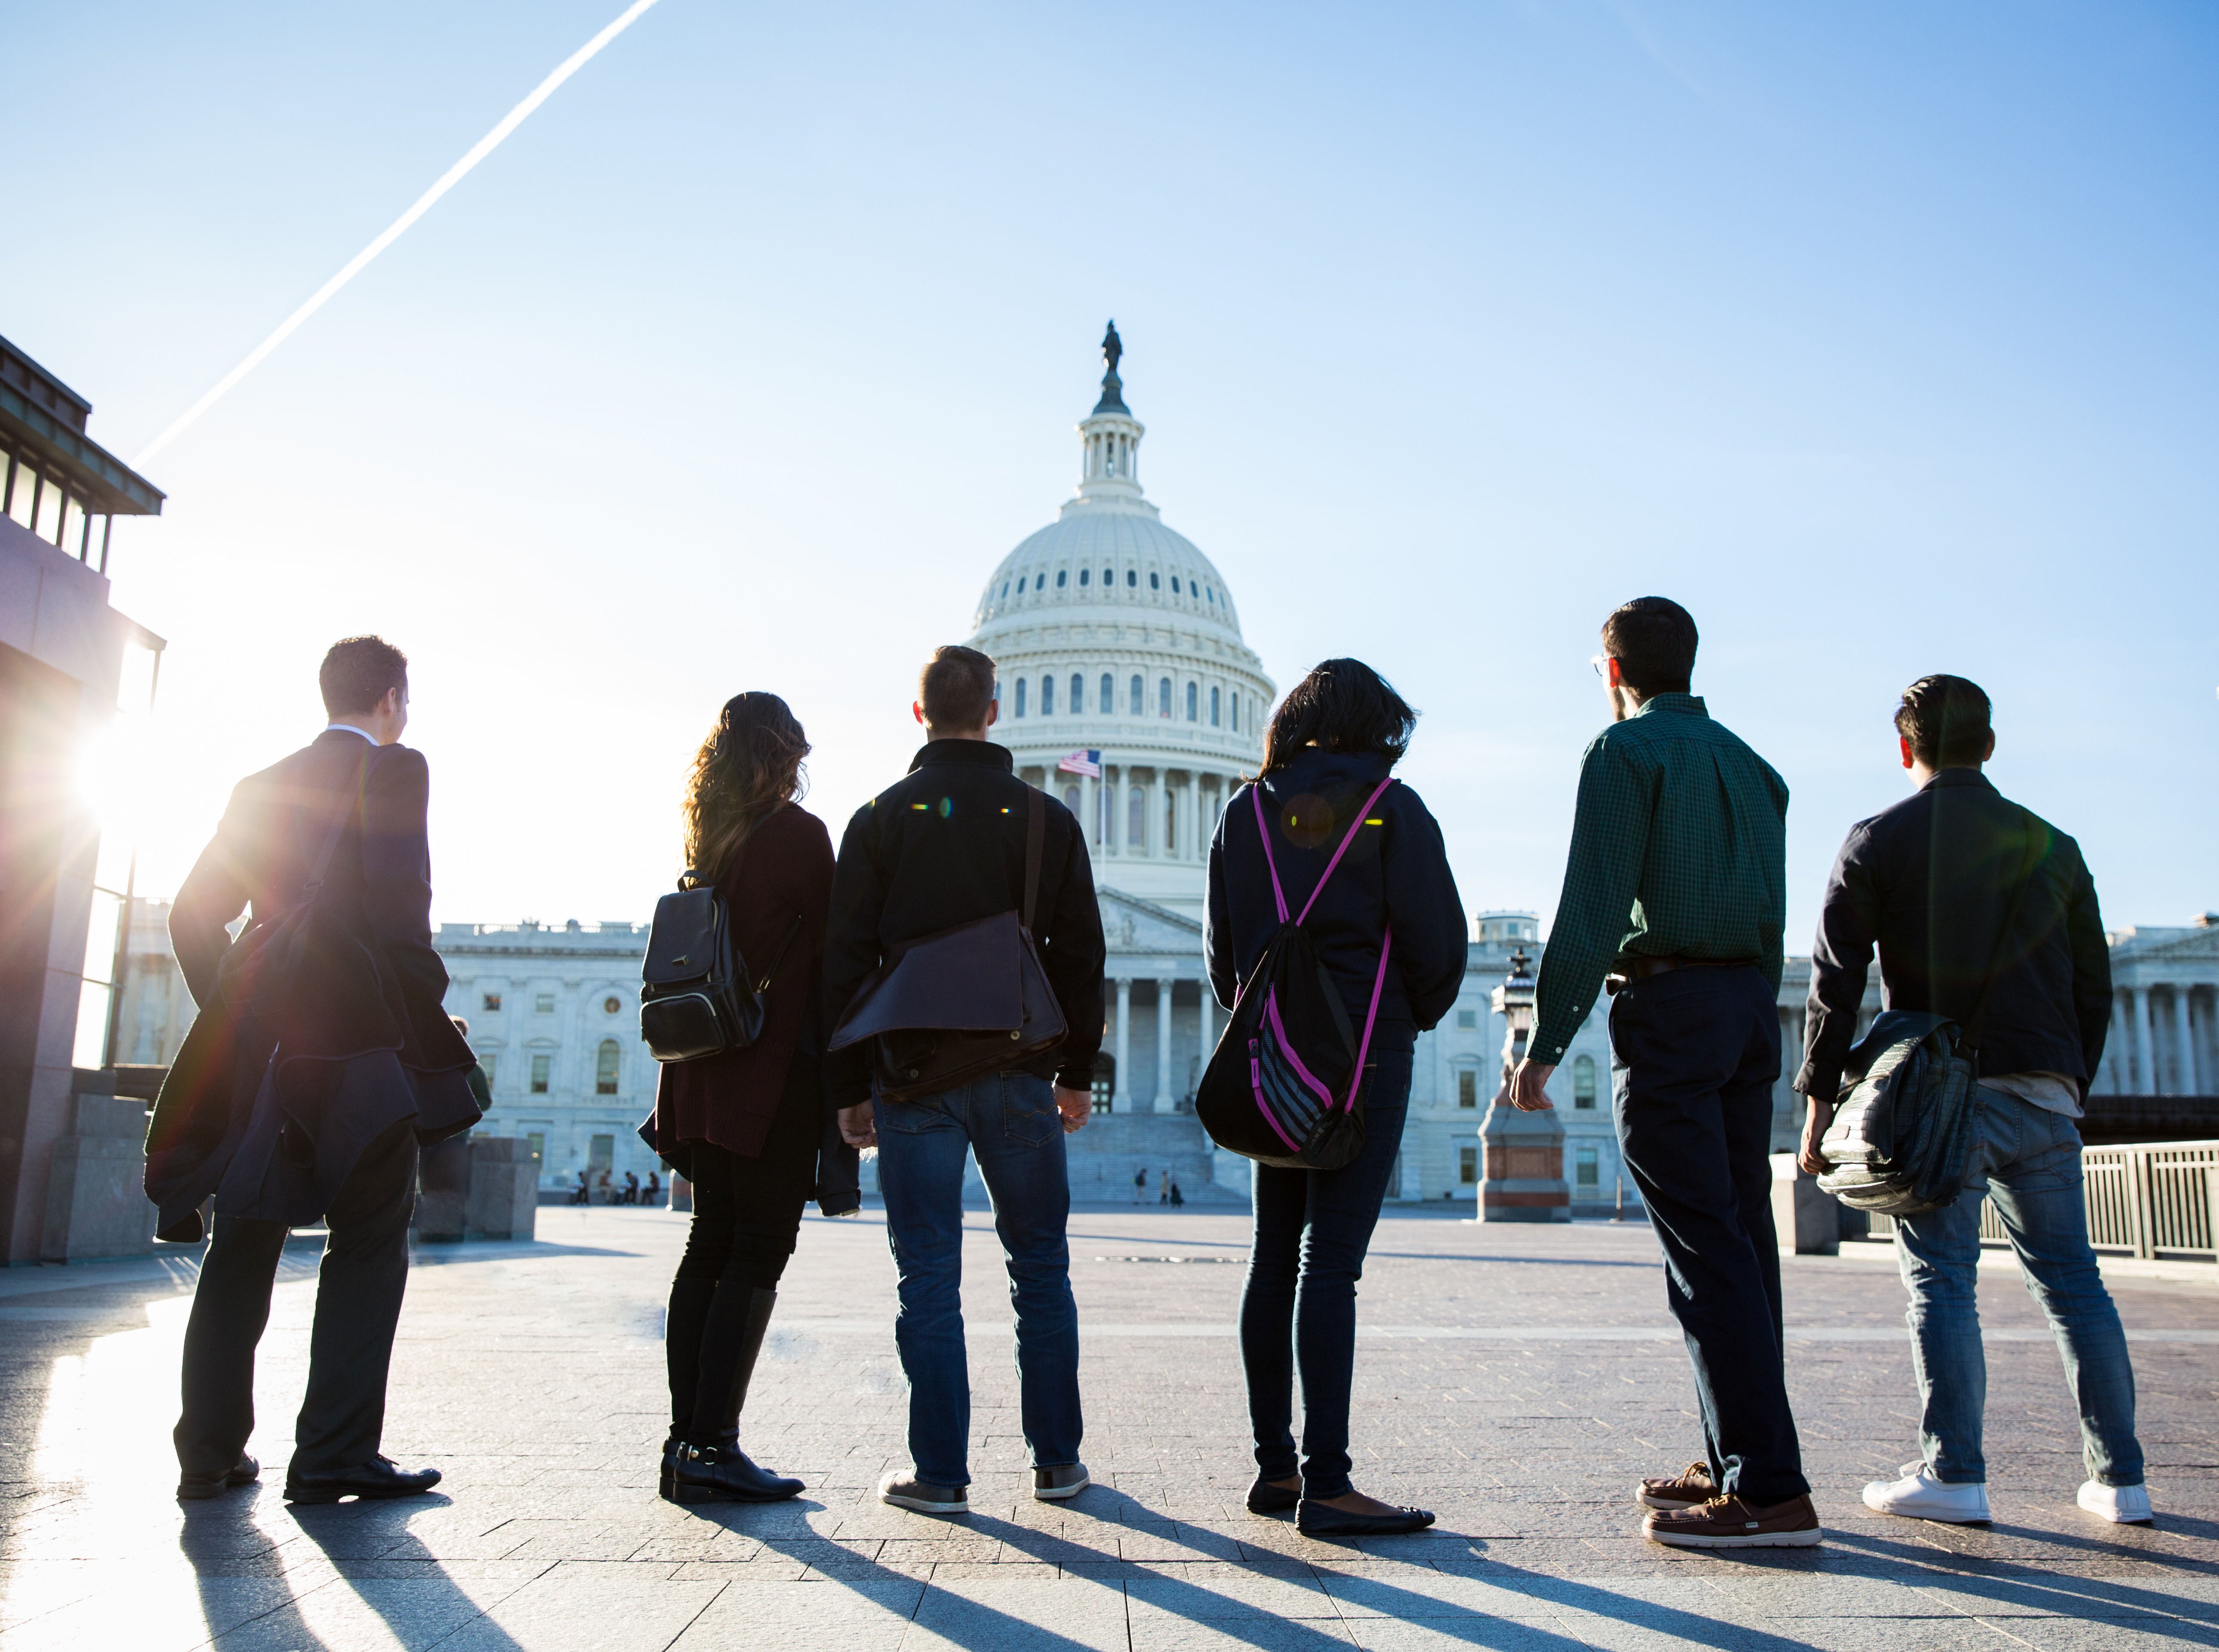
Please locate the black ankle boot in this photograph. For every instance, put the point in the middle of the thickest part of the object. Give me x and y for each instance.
(722, 1473)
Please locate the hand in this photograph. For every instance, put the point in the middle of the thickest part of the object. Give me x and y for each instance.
(1076, 1106)
(1816, 1118)
(858, 1126)
(1529, 1087)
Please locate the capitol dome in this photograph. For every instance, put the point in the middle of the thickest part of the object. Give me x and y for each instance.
(1118, 647)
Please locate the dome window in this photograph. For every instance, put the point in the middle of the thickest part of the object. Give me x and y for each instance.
(1061, 575)
(1139, 698)
(1193, 707)
(1108, 703)
(1235, 708)
(1132, 576)
(1155, 581)
(1047, 697)
(1039, 581)
(1109, 577)
(1086, 574)
(1077, 694)
(1005, 590)
(1020, 696)
(1175, 588)
(1164, 696)
(1215, 697)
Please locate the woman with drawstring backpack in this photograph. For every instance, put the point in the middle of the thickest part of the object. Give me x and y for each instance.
(1335, 936)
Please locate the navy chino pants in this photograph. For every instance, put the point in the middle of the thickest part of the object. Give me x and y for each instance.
(1695, 1054)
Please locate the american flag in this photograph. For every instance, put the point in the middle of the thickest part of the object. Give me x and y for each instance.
(1088, 763)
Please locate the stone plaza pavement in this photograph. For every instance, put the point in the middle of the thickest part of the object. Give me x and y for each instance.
(1517, 1380)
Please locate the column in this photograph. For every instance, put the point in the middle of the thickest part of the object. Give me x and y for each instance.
(2145, 1045)
(1090, 818)
(1193, 823)
(1166, 1102)
(1121, 1093)
(1152, 839)
(1113, 781)
(2118, 1050)
(2186, 1038)
(1208, 1023)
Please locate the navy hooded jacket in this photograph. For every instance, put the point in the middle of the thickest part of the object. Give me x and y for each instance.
(1396, 872)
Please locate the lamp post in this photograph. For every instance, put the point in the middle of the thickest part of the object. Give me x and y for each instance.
(1521, 1154)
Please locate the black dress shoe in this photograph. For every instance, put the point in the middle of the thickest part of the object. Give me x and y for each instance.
(191, 1487)
(1317, 1520)
(722, 1473)
(1265, 1497)
(377, 1478)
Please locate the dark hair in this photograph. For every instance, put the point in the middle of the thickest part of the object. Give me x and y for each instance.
(750, 763)
(1342, 705)
(1946, 721)
(1653, 640)
(359, 671)
(955, 688)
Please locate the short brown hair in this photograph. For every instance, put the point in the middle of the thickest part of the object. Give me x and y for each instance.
(1945, 720)
(956, 689)
(1653, 640)
(359, 671)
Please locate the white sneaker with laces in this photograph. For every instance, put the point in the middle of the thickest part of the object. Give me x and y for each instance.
(2120, 1505)
(1919, 1496)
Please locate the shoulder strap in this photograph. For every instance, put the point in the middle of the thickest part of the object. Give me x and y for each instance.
(1256, 797)
(1347, 838)
(349, 801)
(2031, 858)
(1035, 837)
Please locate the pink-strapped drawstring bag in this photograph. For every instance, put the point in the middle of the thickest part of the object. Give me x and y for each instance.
(1283, 1084)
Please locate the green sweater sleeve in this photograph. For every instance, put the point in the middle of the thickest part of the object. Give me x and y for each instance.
(1602, 873)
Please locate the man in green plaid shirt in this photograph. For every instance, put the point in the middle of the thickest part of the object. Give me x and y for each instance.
(1674, 893)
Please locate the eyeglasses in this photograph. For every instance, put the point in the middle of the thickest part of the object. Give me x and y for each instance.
(1601, 666)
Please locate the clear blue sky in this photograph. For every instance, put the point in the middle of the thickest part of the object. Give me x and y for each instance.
(1882, 335)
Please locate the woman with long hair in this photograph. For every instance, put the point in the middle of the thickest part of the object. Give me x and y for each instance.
(1332, 740)
(743, 1127)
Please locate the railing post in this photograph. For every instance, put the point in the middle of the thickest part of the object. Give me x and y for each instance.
(2138, 1168)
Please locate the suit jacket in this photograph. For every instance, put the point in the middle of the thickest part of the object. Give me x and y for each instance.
(1928, 882)
(362, 981)
(783, 874)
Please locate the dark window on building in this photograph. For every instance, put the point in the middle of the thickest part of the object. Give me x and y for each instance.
(542, 1065)
(1139, 699)
(1164, 696)
(1467, 1088)
(1216, 700)
(489, 1001)
(1108, 703)
(605, 1067)
(543, 1004)
(1047, 697)
(1175, 588)
(1020, 696)
(1193, 710)
(1583, 1083)
(1132, 576)
(1468, 1166)
(1085, 575)
(1061, 575)
(1155, 581)
(1586, 1168)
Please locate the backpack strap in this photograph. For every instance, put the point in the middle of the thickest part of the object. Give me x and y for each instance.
(1256, 797)
(1036, 838)
(1349, 837)
(1363, 1048)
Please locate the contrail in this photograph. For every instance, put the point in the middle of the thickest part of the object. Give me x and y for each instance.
(451, 176)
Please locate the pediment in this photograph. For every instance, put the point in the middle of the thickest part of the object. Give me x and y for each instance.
(1130, 924)
(2199, 944)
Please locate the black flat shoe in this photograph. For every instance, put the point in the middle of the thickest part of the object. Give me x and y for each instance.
(1265, 1497)
(1317, 1520)
(192, 1487)
(377, 1478)
(724, 1473)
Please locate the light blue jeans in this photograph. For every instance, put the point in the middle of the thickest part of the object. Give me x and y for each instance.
(2027, 1161)
(1008, 1123)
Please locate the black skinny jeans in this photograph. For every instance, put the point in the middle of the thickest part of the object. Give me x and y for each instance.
(1298, 1304)
(747, 1214)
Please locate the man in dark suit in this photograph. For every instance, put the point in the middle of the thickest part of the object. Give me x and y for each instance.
(321, 1057)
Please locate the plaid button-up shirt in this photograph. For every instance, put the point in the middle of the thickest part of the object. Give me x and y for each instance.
(1678, 849)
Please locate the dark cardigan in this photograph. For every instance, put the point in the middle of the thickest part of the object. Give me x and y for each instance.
(784, 870)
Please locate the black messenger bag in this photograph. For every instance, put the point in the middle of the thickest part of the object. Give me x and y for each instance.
(1910, 1105)
(954, 1006)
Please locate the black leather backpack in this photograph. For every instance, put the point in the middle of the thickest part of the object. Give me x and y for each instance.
(696, 996)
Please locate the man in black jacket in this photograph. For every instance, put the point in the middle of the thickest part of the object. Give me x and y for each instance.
(1946, 882)
(941, 848)
(321, 1055)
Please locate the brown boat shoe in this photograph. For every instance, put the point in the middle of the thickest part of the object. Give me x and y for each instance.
(1727, 1522)
(1678, 1490)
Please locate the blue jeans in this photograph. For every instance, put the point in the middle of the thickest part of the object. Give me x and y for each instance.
(2027, 1161)
(1298, 1305)
(1009, 1122)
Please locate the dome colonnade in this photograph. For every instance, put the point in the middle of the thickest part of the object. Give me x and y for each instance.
(1127, 691)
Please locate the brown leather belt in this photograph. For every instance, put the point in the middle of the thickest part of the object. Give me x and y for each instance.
(1640, 969)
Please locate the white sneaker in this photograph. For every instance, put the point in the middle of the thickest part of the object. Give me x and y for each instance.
(2120, 1505)
(1919, 1496)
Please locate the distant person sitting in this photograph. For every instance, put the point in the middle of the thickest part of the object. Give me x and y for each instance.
(654, 1189)
(1934, 882)
(1176, 1200)
(961, 840)
(585, 1194)
(632, 1187)
(320, 1059)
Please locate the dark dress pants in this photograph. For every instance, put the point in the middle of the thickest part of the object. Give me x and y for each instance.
(359, 1285)
(1298, 1303)
(747, 1215)
(1694, 1054)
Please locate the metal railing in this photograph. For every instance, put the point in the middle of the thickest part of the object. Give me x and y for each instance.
(2152, 1200)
